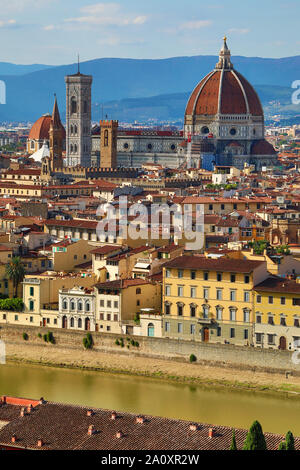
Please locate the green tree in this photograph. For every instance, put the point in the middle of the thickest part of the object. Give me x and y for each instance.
(290, 442)
(282, 445)
(233, 442)
(255, 439)
(15, 272)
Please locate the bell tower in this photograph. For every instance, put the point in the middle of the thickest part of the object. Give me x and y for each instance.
(78, 119)
(108, 144)
(56, 138)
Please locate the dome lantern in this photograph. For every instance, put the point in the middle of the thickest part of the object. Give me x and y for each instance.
(224, 57)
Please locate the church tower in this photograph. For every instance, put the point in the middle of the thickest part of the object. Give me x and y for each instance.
(56, 139)
(108, 144)
(78, 119)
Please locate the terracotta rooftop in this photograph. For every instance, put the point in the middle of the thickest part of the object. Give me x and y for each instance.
(221, 264)
(278, 284)
(65, 427)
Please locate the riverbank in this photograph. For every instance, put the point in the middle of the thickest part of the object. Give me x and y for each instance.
(164, 369)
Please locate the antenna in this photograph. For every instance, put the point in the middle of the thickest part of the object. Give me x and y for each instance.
(78, 65)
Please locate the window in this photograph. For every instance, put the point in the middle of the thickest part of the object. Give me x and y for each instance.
(138, 303)
(115, 317)
(193, 292)
(205, 311)
(270, 320)
(219, 277)
(296, 323)
(4, 316)
(79, 306)
(108, 317)
(101, 303)
(138, 291)
(247, 279)
(106, 138)
(219, 313)
(233, 295)
(73, 105)
(282, 321)
(65, 305)
(16, 317)
(72, 305)
(206, 294)
(282, 300)
(219, 331)
(193, 329)
(271, 299)
(116, 304)
(167, 309)
(246, 316)
(205, 276)
(168, 273)
(31, 319)
(246, 296)
(232, 332)
(246, 334)
(180, 291)
(72, 322)
(232, 278)
(193, 310)
(258, 299)
(179, 310)
(219, 294)
(167, 326)
(180, 273)
(259, 338)
(232, 314)
(168, 290)
(31, 291)
(193, 274)
(271, 339)
(210, 207)
(296, 301)
(180, 328)
(31, 305)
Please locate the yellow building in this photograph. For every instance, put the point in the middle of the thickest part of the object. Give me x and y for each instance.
(277, 313)
(210, 300)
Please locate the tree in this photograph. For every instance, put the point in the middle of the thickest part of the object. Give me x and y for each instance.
(15, 272)
(255, 439)
(290, 442)
(282, 445)
(233, 442)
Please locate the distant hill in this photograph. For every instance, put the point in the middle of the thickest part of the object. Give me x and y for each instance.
(31, 94)
(6, 68)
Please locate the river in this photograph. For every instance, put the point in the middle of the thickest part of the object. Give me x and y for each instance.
(222, 406)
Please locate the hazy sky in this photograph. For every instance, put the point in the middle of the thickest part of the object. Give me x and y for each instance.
(53, 31)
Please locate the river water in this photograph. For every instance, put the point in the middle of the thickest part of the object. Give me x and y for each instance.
(222, 406)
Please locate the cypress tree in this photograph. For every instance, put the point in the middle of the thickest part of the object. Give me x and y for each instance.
(282, 445)
(255, 439)
(290, 442)
(233, 442)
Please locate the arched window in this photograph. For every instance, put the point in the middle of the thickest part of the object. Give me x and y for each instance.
(75, 148)
(85, 107)
(75, 129)
(79, 306)
(72, 322)
(72, 305)
(79, 323)
(87, 306)
(71, 148)
(106, 138)
(65, 304)
(72, 129)
(150, 329)
(73, 105)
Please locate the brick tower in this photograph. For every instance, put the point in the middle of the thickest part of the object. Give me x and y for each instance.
(108, 144)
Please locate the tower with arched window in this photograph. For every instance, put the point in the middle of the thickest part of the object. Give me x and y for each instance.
(78, 119)
(108, 144)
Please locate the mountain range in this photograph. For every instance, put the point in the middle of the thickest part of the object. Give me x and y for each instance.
(133, 89)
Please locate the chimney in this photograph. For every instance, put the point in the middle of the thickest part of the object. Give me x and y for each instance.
(193, 427)
(114, 416)
(89, 413)
(40, 442)
(41, 401)
(91, 430)
(22, 412)
(140, 420)
(13, 438)
(211, 433)
(119, 435)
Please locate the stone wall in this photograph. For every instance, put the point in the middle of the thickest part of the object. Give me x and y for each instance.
(224, 355)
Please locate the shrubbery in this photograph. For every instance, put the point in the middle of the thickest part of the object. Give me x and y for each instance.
(88, 341)
(25, 336)
(12, 305)
(49, 338)
(193, 358)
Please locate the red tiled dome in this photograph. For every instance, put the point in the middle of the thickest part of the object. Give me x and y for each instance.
(262, 147)
(224, 92)
(40, 129)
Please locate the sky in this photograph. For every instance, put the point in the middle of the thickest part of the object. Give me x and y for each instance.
(53, 32)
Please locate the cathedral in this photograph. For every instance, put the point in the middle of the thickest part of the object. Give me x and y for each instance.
(223, 125)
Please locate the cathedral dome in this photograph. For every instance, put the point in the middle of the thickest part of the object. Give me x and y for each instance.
(262, 147)
(224, 91)
(40, 129)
